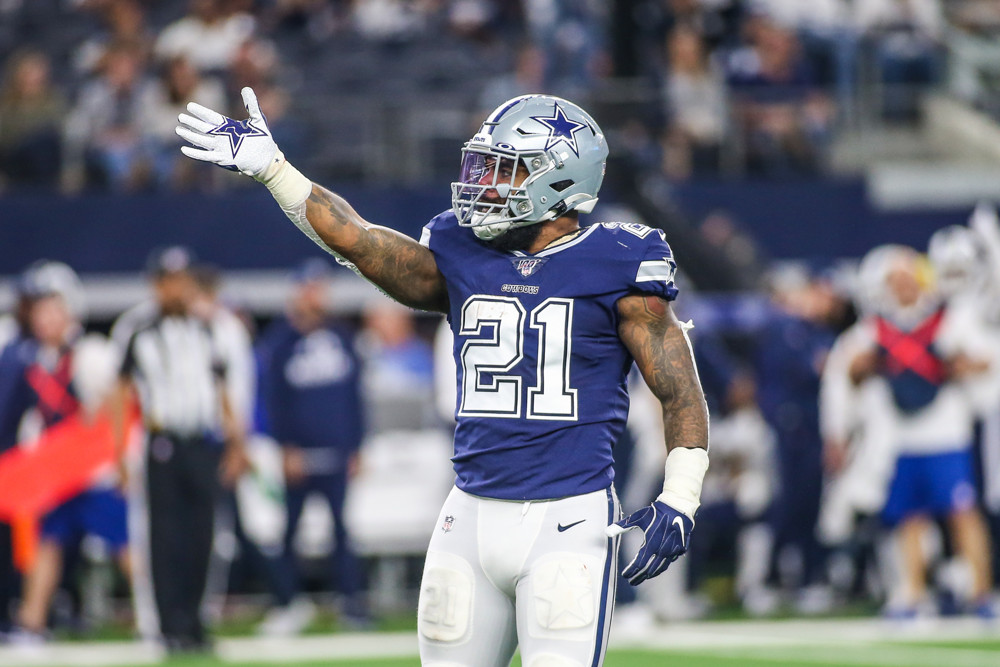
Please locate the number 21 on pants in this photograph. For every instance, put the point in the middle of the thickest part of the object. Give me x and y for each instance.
(496, 328)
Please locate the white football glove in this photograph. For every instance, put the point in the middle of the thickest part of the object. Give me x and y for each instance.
(245, 146)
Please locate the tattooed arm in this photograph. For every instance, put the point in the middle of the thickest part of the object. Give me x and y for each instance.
(396, 263)
(660, 348)
(404, 269)
(654, 336)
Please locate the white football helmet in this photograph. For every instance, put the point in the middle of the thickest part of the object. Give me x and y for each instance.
(958, 257)
(559, 145)
(874, 294)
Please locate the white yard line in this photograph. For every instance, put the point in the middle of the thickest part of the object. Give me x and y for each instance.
(331, 647)
(888, 656)
(755, 633)
(81, 654)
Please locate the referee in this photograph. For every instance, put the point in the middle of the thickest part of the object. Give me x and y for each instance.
(174, 364)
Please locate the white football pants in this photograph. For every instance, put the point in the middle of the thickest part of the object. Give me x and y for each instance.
(538, 574)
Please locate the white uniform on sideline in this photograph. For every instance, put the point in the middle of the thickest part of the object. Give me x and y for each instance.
(862, 419)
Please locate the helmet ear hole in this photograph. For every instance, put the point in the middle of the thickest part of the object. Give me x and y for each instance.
(559, 186)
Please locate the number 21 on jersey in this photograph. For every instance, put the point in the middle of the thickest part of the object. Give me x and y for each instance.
(492, 382)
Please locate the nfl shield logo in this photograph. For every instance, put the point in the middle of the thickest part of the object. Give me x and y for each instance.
(528, 266)
(449, 521)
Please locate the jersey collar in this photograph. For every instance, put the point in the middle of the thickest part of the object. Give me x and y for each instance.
(552, 249)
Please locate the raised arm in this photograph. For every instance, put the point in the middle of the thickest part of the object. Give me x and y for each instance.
(397, 264)
(658, 343)
(400, 266)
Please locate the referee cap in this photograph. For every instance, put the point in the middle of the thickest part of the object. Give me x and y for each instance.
(172, 259)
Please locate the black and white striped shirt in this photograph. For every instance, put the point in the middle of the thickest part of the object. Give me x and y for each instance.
(176, 364)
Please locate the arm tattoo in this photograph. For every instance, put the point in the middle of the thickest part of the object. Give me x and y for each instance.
(396, 263)
(651, 332)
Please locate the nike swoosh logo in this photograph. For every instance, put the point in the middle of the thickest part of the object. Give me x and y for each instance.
(568, 526)
(680, 524)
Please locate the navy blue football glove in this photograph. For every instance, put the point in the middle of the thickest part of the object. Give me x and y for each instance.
(666, 535)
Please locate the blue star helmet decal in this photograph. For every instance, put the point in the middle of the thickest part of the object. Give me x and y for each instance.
(561, 128)
(237, 131)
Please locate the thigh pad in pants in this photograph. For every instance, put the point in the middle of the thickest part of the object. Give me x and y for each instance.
(446, 598)
(563, 592)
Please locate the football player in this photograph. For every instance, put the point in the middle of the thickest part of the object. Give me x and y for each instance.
(547, 317)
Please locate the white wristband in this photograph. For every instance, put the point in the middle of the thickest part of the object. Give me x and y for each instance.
(682, 477)
(291, 190)
(287, 184)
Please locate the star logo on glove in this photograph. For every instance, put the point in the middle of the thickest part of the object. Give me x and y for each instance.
(561, 128)
(237, 131)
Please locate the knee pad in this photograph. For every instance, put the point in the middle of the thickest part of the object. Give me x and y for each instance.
(563, 590)
(552, 660)
(446, 594)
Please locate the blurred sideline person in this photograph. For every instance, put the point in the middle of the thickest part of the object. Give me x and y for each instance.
(174, 364)
(966, 264)
(986, 224)
(789, 359)
(548, 317)
(962, 270)
(59, 372)
(311, 384)
(940, 366)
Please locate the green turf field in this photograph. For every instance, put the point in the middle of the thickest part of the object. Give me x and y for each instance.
(782, 643)
(955, 654)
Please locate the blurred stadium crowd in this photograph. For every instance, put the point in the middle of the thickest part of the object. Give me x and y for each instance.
(855, 409)
(91, 88)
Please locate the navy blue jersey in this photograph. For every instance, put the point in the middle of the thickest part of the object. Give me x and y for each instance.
(541, 371)
(310, 386)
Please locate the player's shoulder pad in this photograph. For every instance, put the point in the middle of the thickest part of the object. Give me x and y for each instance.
(632, 238)
(644, 254)
(636, 229)
(442, 222)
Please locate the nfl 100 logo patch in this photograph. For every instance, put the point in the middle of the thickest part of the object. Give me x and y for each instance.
(449, 521)
(528, 265)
